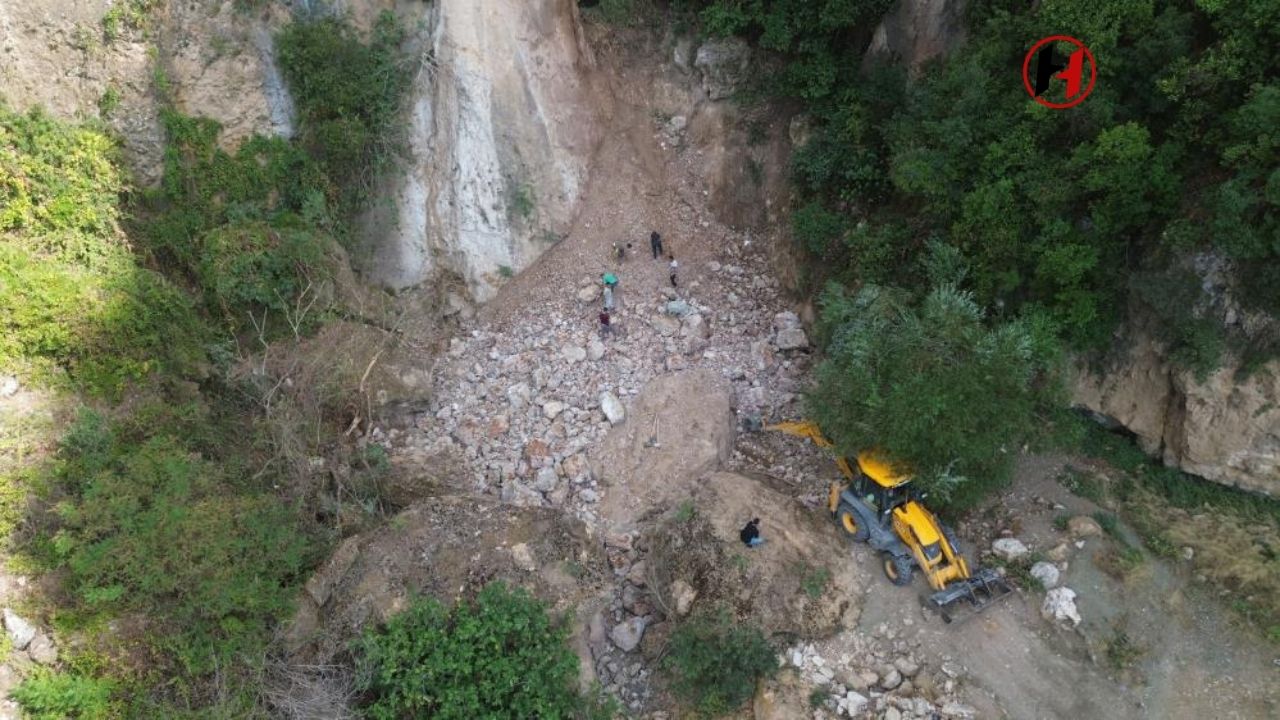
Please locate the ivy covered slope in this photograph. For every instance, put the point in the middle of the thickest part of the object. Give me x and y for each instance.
(1057, 220)
(165, 497)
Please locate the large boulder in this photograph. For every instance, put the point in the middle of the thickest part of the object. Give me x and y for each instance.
(725, 64)
(678, 428)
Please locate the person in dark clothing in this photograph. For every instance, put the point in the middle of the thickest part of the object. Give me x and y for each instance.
(606, 328)
(655, 244)
(750, 533)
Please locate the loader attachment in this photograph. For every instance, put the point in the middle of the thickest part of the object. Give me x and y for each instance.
(963, 599)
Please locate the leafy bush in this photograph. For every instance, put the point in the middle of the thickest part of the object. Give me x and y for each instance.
(714, 662)
(71, 296)
(147, 524)
(499, 655)
(252, 267)
(63, 696)
(935, 386)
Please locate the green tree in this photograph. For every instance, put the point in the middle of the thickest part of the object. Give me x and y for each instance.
(935, 385)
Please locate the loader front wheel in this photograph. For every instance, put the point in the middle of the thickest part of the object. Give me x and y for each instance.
(849, 521)
(898, 568)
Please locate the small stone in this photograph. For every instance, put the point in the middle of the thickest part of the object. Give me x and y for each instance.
(1083, 526)
(892, 713)
(523, 557)
(612, 408)
(589, 293)
(1188, 552)
(573, 353)
(956, 709)
(42, 650)
(854, 703)
(1009, 548)
(551, 410)
(1060, 605)
(906, 666)
(595, 350)
(891, 680)
(618, 541)
(683, 594)
(791, 339)
(546, 480)
(8, 386)
(1059, 553)
(679, 308)
(627, 634)
(1046, 573)
(637, 574)
(21, 632)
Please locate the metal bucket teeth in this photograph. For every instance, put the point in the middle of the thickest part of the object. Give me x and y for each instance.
(970, 597)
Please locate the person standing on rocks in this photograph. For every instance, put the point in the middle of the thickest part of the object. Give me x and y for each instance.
(606, 328)
(608, 297)
(655, 244)
(674, 266)
(750, 533)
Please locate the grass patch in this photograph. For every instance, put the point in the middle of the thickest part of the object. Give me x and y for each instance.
(523, 204)
(1120, 651)
(685, 511)
(1019, 570)
(814, 580)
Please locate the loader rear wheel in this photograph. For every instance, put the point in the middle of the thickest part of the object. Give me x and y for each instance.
(898, 568)
(848, 520)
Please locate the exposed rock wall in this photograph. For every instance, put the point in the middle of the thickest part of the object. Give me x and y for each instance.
(211, 58)
(1222, 428)
(502, 127)
(917, 31)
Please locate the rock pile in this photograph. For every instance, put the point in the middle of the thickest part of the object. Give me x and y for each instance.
(521, 404)
(878, 677)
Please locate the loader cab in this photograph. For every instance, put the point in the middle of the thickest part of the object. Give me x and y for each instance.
(877, 483)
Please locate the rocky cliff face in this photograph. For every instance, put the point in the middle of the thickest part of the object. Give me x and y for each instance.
(917, 31)
(502, 127)
(1222, 428)
(209, 59)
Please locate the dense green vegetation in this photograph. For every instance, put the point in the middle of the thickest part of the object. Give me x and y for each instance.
(166, 496)
(1066, 212)
(1060, 219)
(497, 656)
(715, 662)
(348, 95)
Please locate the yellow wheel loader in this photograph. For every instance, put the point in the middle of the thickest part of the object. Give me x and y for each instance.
(878, 505)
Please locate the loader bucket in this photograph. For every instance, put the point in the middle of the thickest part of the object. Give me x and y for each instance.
(964, 598)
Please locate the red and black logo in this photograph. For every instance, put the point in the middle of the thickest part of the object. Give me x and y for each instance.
(1070, 70)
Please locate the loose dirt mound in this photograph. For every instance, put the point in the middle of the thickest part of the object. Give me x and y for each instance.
(446, 548)
(800, 582)
(689, 415)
